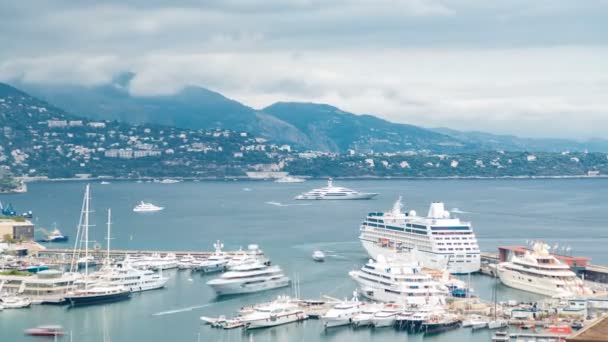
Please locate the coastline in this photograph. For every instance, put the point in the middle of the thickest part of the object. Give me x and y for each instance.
(245, 178)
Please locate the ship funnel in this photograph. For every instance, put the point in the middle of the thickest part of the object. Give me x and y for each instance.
(437, 211)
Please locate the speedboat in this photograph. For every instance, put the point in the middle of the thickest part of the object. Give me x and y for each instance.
(331, 192)
(249, 278)
(169, 181)
(14, 302)
(280, 311)
(318, 256)
(46, 330)
(342, 313)
(497, 324)
(145, 207)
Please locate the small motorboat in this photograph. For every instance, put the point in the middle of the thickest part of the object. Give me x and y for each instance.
(46, 330)
(318, 256)
(501, 336)
(55, 236)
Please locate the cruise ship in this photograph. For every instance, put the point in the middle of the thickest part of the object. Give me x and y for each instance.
(249, 278)
(540, 272)
(398, 281)
(439, 240)
(331, 192)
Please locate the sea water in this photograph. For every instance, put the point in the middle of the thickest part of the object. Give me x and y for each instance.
(567, 212)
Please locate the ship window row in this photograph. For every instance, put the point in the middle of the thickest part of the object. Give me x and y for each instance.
(409, 294)
(451, 228)
(375, 281)
(453, 233)
(540, 275)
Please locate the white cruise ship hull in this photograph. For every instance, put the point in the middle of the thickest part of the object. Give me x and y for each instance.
(429, 260)
(244, 287)
(542, 286)
(359, 196)
(274, 320)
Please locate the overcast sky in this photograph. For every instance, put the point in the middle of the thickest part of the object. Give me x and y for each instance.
(526, 67)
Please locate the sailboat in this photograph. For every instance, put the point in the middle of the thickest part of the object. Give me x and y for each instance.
(496, 323)
(95, 293)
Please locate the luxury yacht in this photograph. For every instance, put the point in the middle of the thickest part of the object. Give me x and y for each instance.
(187, 262)
(217, 262)
(144, 207)
(540, 272)
(280, 311)
(342, 313)
(331, 192)
(440, 241)
(290, 179)
(249, 278)
(364, 317)
(125, 275)
(253, 254)
(49, 286)
(399, 281)
(386, 317)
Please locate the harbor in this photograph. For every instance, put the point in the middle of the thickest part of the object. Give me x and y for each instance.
(318, 287)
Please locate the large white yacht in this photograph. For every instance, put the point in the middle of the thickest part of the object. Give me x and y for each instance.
(280, 311)
(331, 192)
(398, 281)
(342, 313)
(49, 286)
(136, 280)
(216, 262)
(144, 207)
(540, 272)
(440, 241)
(248, 278)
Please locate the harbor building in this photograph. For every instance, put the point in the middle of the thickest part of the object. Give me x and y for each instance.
(18, 229)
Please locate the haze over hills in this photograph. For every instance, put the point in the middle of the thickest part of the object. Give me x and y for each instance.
(303, 125)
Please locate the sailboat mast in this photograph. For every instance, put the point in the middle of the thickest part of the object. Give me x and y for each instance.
(86, 234)
(108, 238)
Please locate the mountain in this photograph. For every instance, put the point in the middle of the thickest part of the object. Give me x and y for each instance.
(489, 141)
(192, 107)
(305, 126)
(331, 129)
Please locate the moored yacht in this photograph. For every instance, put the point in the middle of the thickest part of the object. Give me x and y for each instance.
(540, 272)
(399, 281)
(331, 192)
(144, 207)
(253, 254)
(290, 179)
(45, 287)
(249, 278)
(342, 313)
(278, 312)
(14, 302)
(364, 317)
(439, 240)
(386, 317)
(187, 262)
(125, 275)
(216, 262)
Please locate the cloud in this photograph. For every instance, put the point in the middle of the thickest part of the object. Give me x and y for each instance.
(509, 67)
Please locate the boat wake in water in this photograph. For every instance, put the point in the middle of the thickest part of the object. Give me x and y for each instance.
(458, 211)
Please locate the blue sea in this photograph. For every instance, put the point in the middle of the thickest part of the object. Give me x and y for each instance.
(568, 212)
